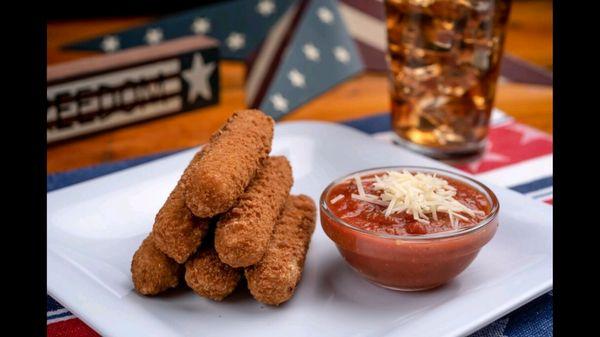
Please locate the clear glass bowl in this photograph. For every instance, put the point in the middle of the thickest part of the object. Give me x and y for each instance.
(409, 262)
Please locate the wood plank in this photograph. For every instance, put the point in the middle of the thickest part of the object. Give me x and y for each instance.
(529, 33)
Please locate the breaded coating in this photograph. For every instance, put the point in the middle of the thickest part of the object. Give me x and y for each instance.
(152, 271)
(176, 231)
(242, 234)
(209, 277)
(230, 161)
(273, 280)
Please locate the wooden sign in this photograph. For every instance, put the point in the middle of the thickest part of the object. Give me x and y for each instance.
(111, 90)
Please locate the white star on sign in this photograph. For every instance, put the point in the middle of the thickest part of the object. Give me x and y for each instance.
(201, 26)
(154, 36)
(265, 7)
(235, 41)
(341, 54)
(311, 52)
(198, 77)
(325, 15)
(297, 78)
(110, 43)
(279, 102)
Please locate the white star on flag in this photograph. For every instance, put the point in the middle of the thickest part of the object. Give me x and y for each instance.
(279, 102)
(198, 77)
(265, 7)
(341, 54)
(201, 26)
(154, 36)
(325, 15)
(311, 52)
(235, 41)
(297, 78)
(488, 156)
(528, 134)
(110, 43)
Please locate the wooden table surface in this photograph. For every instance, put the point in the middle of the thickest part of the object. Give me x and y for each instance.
(529, 37)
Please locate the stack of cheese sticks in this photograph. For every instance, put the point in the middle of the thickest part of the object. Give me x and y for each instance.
(230, 215)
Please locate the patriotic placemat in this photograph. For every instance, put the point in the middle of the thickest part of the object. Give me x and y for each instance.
(517, 156)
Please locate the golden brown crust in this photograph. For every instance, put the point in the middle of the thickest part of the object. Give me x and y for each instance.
(273, 280)
(152, 271)
(230, 161)
(242, 234)
(176, 232)
(209, 277)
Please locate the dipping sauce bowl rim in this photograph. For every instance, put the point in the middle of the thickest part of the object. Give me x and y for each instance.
(413, 169)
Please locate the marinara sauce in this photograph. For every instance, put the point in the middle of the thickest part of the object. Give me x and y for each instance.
(372, 217)
(398, 251)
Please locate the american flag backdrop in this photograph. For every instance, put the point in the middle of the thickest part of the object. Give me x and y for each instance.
(319, 55)
(518, 157)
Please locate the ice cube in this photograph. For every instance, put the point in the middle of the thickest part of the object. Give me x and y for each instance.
(479, 102)
(440, 34)
(456, 80)
(407, 86)
(481, 57)
(431, 103)
(455, 10)
(423, 73)
(482, 5)
(421, 3)
(445, 134)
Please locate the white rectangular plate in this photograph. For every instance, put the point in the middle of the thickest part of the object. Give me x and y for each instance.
(95, 227)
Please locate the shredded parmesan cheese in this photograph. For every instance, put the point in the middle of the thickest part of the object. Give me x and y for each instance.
(420, 195)
(359, 185)
(336, 199)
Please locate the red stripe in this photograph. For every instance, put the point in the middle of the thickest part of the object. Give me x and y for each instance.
(548, 201)
(70, 328)
(371, 7)
(509, 144)
(373, 58)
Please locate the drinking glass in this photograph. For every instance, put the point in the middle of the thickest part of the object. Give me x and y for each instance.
(444, 58)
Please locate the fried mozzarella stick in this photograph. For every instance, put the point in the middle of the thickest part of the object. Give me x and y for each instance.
(176, 231)
(209, 277)
(273, 280)
(230, 161)
(152, 271)
(242, 234)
